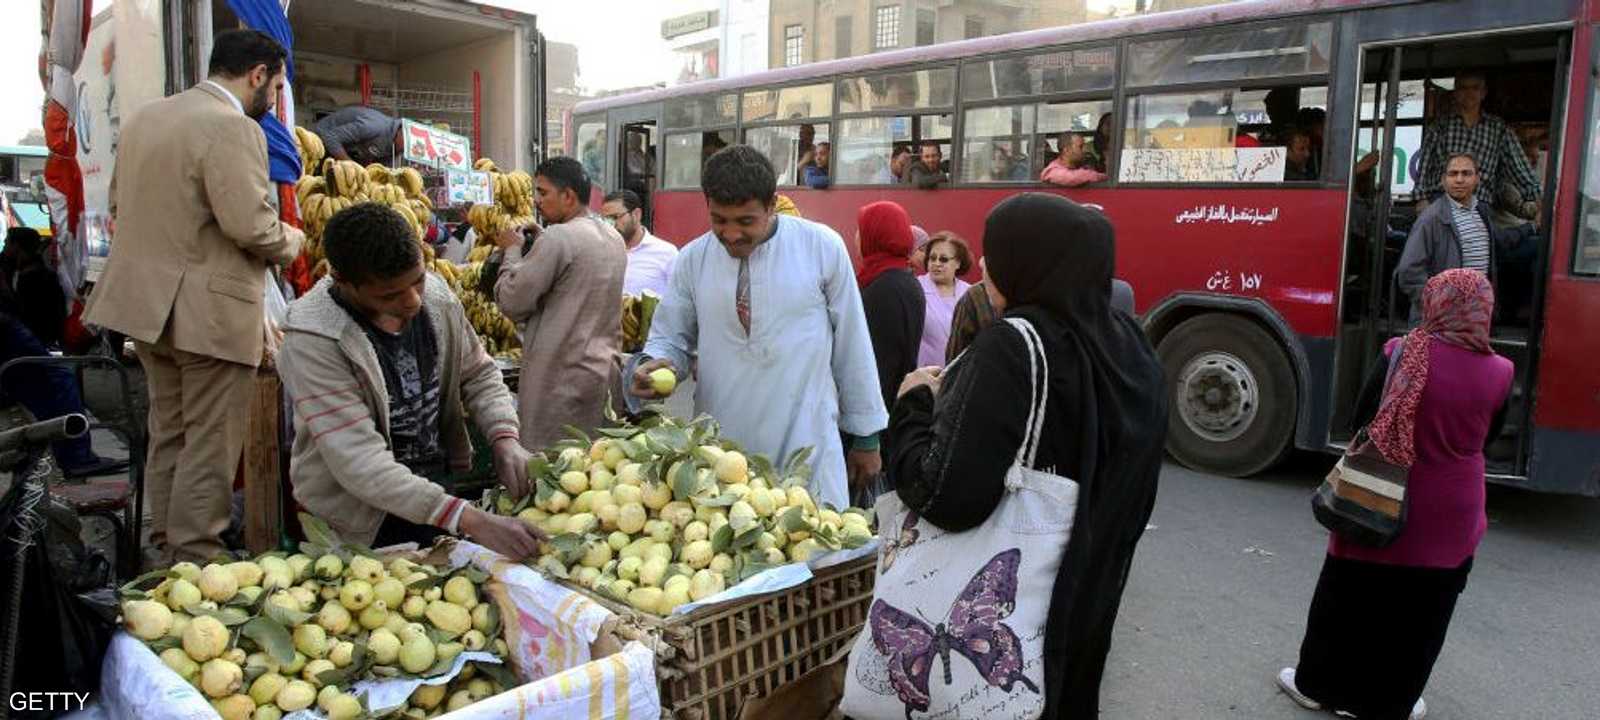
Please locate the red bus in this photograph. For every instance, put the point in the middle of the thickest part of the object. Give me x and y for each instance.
(1263, 271)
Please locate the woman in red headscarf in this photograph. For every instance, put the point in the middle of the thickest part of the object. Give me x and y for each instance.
(889, 292)
(1379, 615)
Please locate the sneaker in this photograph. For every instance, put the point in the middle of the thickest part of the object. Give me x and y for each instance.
(1286, 684)
(1419, 710)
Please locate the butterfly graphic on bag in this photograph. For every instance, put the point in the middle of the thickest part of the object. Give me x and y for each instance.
(892, 548)
(973, 629)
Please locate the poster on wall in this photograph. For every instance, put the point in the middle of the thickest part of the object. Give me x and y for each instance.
(428, 145)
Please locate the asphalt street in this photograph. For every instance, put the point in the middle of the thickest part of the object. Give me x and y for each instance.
(1217, 604)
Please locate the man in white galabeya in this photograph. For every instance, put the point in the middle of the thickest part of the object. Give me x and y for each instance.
(196, 231)
(771, 305)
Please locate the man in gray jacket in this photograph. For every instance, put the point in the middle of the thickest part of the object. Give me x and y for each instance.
(363, 134)
(382, 367)
(1455, 233)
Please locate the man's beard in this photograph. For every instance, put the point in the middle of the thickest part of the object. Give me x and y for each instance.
(260, 103)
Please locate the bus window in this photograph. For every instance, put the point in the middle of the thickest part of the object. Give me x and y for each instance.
(1225, 135)
(995, 144)
(687, 152)
(931, 88)
(701, 111)
(868, 149)
(790, 103)
(1586, 255)
(591, 149)
(789, 147)
(1090, 119)
(1062, 71)
(1256, 52)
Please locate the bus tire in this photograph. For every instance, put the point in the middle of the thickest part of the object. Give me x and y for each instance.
(1233, 393)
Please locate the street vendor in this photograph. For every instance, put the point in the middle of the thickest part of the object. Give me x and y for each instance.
(770, 303)
(361, 133)
(382, 365)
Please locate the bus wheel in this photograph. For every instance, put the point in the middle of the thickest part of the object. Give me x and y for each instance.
(1234, 399)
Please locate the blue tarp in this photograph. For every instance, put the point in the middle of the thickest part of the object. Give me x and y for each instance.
(283, 160)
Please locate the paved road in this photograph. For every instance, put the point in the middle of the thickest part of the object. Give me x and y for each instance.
(1220, 586)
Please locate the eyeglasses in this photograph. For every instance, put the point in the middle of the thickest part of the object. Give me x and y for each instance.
(941, 258)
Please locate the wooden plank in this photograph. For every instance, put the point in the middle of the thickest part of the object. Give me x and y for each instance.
(263, 502)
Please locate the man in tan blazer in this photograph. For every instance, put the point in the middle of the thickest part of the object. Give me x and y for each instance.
(195, 233)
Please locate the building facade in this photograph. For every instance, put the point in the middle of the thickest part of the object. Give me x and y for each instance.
(724, 39)
(805, 31)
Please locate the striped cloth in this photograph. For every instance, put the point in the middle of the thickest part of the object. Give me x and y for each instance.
(1473, 233)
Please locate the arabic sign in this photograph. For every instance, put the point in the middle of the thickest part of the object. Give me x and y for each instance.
(685, 24)
(1225, 164)
(469, 188)
(427, 145)
(1228, 215)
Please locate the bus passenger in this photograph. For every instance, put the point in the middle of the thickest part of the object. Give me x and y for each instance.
(1071, 167)
(771, 305)
(1297, 160)
(927, 173)
(1496, 150)
(1454, 234)
(816, 171)
(895, 171)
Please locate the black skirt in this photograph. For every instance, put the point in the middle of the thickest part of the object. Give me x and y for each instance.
(1373, 634)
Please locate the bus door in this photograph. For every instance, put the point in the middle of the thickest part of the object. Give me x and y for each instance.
(636, 133)
(1407, 92)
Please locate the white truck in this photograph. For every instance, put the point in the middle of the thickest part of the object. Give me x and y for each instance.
(476, 68)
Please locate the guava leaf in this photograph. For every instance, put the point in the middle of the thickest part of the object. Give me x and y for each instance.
(577, 434)
(286, 617)
(793, 520)
(686, 481)
(499, 673)
(721, 539)
(747, 538)
(318, 531)
(271, 636)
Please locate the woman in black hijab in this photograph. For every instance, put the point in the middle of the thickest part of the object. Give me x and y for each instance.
(954, 435)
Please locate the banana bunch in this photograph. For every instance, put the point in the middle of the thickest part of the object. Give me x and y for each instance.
(409, 180)
(513, 203)
(513, 192)
(637, 312)
(379, 174)
(310, 147)
(499, 334)
(480, 253)
(346, 179)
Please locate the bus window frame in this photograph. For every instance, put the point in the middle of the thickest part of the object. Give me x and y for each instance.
(1586, 134)
(603, 119)
(1115, 46)
(1124, 69)
(744, 130)
(665, 156)
(738, 110)
(833, 104)
(1034, 101)
(836, 130)
(1297, 81)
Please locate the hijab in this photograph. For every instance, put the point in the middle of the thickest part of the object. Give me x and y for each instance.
(885, 231)
(1456, 306)
(1053, 259)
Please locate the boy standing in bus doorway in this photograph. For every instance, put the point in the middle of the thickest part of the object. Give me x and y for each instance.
(771, 304)
(568, 291)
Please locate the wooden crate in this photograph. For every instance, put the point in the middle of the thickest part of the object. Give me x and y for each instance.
(710, 662)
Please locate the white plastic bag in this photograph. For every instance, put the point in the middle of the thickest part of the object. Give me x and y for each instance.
(956, 627)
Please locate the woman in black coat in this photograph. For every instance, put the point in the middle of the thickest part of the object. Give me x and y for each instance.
(954, 434)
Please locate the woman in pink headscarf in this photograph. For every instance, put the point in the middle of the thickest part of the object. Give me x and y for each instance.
(1379, 615)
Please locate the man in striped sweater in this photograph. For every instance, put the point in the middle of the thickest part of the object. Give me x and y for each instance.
(1455, 233)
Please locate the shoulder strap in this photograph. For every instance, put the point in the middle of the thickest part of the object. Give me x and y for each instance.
(1039, 379)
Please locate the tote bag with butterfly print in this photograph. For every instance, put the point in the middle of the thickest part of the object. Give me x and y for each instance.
(956, 626)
